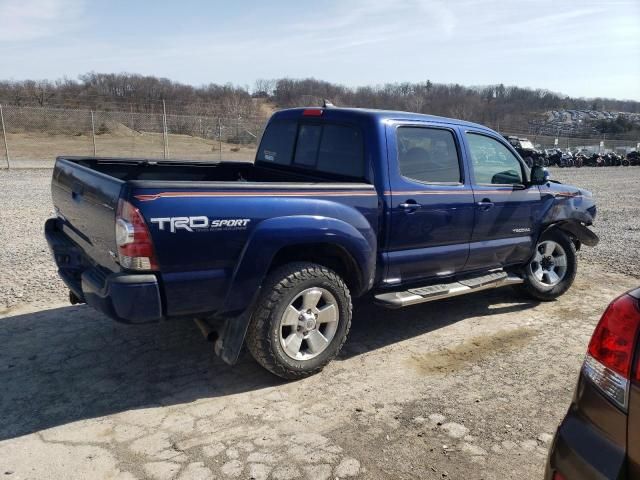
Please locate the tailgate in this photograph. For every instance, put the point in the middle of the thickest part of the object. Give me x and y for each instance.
(86, 203)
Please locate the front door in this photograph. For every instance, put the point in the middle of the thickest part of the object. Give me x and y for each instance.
(506, 208)
(431, 203)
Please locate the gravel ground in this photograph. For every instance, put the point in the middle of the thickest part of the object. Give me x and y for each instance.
(470, 389)
(27, 271)
(617, 193)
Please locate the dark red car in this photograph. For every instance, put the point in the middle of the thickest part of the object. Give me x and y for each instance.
(600, 435)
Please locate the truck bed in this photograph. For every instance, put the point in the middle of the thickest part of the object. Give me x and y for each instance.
(194, 171)
(241, 201)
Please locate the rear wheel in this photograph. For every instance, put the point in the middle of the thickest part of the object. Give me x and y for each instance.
(301, 320)
(552, 269)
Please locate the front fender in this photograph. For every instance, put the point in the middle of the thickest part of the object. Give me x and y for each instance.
(577, 230)
(570, 209)
(356, 237)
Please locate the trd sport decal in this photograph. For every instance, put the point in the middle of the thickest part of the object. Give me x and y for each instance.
(200, 223)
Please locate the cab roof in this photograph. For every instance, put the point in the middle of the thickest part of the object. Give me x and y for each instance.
(369, 114)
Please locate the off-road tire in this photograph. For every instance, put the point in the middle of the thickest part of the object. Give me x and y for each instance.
(280, 288)
(533, 289)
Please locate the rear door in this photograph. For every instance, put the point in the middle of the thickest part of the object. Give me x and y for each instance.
(431, 203)
(503, 232)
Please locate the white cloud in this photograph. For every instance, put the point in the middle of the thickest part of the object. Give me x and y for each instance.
(361, 22)
(573, 46)
(24, 20)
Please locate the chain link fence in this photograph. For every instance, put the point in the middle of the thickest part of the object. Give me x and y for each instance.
(32, 137)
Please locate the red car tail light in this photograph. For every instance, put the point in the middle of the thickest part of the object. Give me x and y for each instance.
(610, 355)
(135, 249)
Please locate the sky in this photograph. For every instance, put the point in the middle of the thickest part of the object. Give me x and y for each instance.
(581, 48)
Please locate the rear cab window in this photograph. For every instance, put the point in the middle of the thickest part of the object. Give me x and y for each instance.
(335, 149)
(278, 142)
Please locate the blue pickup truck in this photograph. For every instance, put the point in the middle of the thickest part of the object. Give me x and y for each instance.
(339, 203)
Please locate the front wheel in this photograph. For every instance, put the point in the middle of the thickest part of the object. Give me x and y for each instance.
(552, 269)
(301, 320)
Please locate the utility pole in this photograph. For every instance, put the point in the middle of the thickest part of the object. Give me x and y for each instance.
(93, 134)
(4, 135)
(220, 137)
(164, 130)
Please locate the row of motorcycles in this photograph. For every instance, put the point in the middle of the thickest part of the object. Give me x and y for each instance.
(557, 158)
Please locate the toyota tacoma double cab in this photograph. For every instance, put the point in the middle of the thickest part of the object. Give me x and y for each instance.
(340, 203)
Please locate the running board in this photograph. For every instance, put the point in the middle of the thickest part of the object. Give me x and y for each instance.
(430, 293)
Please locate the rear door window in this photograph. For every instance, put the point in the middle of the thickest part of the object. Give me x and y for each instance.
(428, 155)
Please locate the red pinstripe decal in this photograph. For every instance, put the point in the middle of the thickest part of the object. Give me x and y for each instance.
(452, 192)
(568, 194)
(155, 196)
(428, 192)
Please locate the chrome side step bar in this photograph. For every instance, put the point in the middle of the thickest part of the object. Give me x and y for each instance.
(430, 293)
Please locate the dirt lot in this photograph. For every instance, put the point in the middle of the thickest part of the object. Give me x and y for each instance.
(35, 150)
(467, 388)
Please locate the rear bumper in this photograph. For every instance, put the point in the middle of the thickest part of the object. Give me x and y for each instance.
(129, 298)
(574, 452)
(586, 449)
(123, 297)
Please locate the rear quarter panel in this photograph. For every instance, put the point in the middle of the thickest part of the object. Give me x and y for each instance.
(218, 268)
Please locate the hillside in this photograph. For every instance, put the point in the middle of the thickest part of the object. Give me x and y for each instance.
(499, 106)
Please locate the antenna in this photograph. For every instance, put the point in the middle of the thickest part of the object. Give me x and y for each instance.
(327, 104)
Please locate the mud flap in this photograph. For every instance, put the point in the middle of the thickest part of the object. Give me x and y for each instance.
(229, 345)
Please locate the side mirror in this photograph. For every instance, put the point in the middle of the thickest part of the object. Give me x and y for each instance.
(539, 175)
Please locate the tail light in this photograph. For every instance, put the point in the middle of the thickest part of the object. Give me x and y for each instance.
(135, 249)
(312, 112)
(609, 360)
(637, 369)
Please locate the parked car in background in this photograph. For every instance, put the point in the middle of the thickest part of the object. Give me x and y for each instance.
(526, 150)
(600, 436)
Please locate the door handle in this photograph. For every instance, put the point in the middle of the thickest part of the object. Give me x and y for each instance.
(485, 204)
(76, 190)
(410, 205)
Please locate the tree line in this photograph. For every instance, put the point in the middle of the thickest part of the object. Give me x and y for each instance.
(130, 93)
(494, 105)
